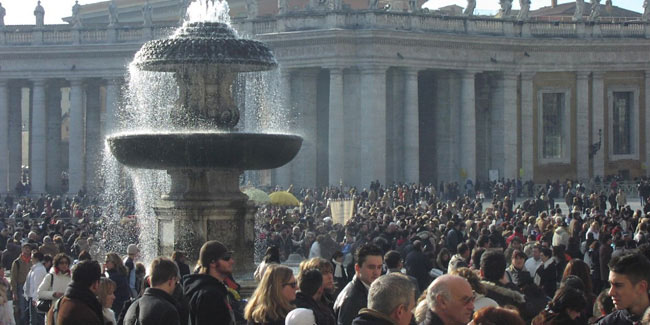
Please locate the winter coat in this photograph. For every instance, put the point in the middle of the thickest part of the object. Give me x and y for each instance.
(322, 313)
(504, 296)
(605, 255)
(561, 237)
(19, 271)
(548, 278)
(432, 319)
(371, 317)
(122, 291)
(208, 299)
(417, 266)
(352, 298)
(457, 261)
(519, 278)
(78, 306)
(154, 307)
(619, 317)
(59, 284)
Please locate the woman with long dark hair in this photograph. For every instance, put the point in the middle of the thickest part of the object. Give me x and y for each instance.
(565, 308)
(117, 272)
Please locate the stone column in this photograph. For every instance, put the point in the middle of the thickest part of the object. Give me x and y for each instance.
(76, 138)
(112, 102)
(598, 122)
(582, 125)
(468, 125)
(443, 128)
(647, 122)
(527, 125)
(305, 173)
(93, 145)
(15, 135)
(373, 124)
(54, 169)
(336, 153)
(38, 136)
(4, 137)
(411, 128)
(510, 170)
(454, 108)
(283, 174)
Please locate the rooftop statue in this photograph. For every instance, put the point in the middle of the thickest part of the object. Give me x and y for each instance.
(595, 10)
(506, 7)
(113, 14)
(471, 5)
(579, 12)
(147, 13)
(373, 4)
(3, 12)
(251, 8)
(283, 7)
(39, 12)
(76, 19)
(646, 10)
(524, 11)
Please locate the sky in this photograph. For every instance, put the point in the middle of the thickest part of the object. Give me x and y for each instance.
(21, 11)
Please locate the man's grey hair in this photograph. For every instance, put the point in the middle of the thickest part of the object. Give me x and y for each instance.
(439, 287)
(389, 291)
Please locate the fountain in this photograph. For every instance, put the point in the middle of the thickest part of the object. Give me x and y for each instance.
(203, 153)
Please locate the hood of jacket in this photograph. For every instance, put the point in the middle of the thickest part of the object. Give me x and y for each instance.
(503, 291)
(194, 283)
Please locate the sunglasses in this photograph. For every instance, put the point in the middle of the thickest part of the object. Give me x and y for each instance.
(293, 285)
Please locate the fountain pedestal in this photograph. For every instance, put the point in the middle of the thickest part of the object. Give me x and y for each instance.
(202, 205)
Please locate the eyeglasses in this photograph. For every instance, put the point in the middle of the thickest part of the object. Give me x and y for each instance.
(226, 257)
(293, 285)
(469, 300)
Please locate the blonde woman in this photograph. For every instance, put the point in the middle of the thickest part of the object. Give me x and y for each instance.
(106, 297)
(116, 271)
(271, 301)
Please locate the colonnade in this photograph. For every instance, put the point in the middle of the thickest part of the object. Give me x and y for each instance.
(91, 109)
(361, 113)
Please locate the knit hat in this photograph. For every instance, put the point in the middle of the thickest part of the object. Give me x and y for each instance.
(300, 316)
(211, 251)
(132, 249)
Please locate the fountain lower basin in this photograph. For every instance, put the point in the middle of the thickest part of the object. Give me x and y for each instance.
(242, 151)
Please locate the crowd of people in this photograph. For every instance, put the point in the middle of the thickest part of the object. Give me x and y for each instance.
(409, 254)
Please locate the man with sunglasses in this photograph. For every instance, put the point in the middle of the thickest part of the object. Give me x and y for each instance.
(206, 291)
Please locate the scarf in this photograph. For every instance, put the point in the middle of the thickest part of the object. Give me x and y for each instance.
(25, 259)
(338, 269)
(57, 271)
(84, 295)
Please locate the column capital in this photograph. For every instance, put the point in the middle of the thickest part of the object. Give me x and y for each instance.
(113, 81)
(597, 74)
(372, 69)
(76, 82)
(411, 70)
(310, 72)
(528, 75)
(469, 74)
(335, 69)
(40, 82)
(510, 75)
(581, 75)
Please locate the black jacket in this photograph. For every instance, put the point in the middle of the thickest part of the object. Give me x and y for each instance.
(418, 267)
(323, 314)
(432, 319)
(548, 278)
(153, 308)
(619, 317)
(353, 298)
(208, 300)
(371, 317)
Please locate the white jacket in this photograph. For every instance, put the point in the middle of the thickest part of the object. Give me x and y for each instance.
(59, 284)
(34, 279)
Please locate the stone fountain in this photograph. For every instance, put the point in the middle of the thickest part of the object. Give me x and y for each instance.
(207, 156)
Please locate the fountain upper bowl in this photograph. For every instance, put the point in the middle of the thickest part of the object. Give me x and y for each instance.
(209, 150)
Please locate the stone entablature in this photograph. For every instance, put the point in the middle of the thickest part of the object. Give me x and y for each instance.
(421, 22)
(18, 35)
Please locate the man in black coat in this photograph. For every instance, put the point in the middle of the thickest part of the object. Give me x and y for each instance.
(354, 297)
(156, 306)
(206, 291)
(417, 265)
(391, 299)
(630, 281)
(309, 297)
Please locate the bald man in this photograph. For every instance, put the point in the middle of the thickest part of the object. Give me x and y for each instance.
(451, 301)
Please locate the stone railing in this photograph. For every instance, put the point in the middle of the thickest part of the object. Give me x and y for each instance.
(629, 187)
(66, 35)
(297, 21)
(20, 35)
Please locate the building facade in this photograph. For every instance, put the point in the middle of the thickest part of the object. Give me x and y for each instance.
(395, 95)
